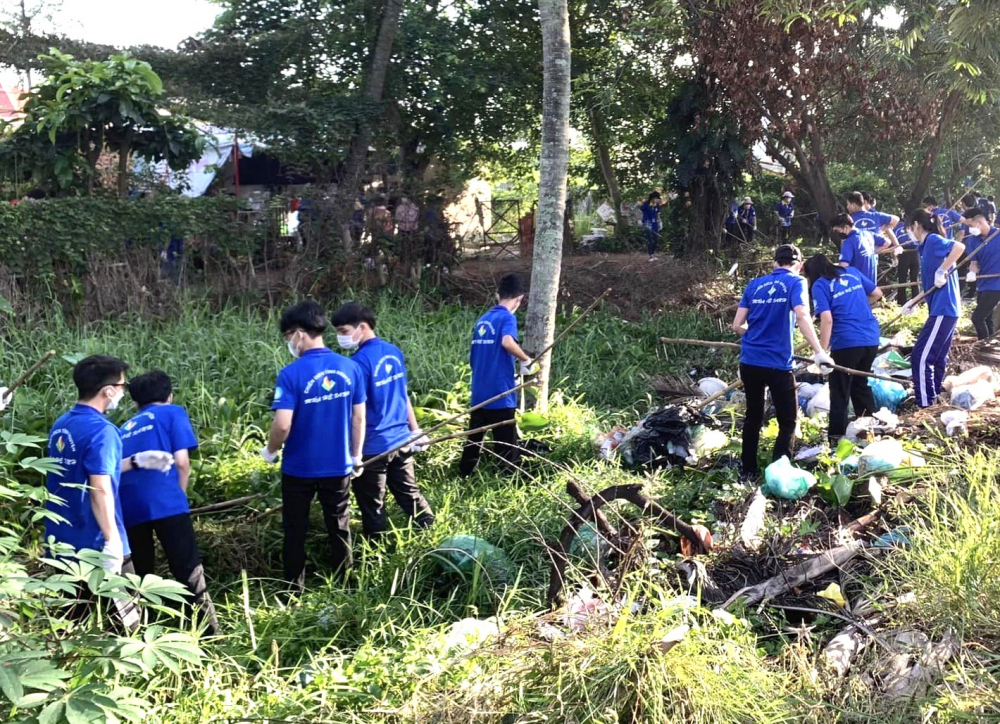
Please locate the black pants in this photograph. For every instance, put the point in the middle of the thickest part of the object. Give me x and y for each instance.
(746, 233)
(845, 388)
(176, 535)
(397, 473)
(982, 317)
(504, 438)
(784, 234)
(296, 497)
(782, 385)
(908, 271)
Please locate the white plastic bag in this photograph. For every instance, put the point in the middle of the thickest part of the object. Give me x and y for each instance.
(820, 403)
(974, 396)
(881, 455)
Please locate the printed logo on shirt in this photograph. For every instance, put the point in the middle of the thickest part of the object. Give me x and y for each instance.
(325, 380)
(62, 441)
(773, 288)
(481, 329)
(328, 384)
(60, 444)
(388, 363)
(129, 425)
(278, 392)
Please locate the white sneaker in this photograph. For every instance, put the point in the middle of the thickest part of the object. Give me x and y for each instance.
(653, 258)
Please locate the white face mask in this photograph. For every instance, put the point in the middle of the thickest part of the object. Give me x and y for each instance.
(116, 399)
(292, 349)
(975, 231)
(346, 341)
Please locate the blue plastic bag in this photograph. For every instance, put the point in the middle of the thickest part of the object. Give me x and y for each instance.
(887, 394)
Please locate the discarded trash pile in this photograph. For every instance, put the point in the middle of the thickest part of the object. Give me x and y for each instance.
(670, 436)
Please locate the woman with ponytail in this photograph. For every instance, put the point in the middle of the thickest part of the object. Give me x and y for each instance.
(848, 328)
(938, 256)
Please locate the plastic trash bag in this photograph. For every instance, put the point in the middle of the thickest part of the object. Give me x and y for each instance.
(467, 554)
(969, 377)
(467, 634)
(882, 455)
(705, 441)
(711, 386)
(955, 421)
(887, 394)
(974, 396)
(784, 480)
(820, 403)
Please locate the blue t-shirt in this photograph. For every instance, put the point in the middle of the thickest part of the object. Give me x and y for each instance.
(149, 494)
(492, 365)
(949, 219)
(386, 421)
(872, 221)
(846, 298)
(904, 237)
(988, 258)
(321, 388)
(858, 251)
(650, 216)
(84, 442)
(771, 300)
(945, 302)
(747, 215)
(785, 211)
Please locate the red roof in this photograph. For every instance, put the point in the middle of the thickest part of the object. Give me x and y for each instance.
(10, 102)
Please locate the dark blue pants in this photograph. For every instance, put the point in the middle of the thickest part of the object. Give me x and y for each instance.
(652, 240)
(930, 358)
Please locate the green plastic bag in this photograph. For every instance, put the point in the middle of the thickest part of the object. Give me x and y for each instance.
(467, 554)
(784, 480)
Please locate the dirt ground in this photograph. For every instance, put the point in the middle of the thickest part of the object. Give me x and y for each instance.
(638, 285)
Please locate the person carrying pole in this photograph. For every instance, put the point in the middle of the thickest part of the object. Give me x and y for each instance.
(938, 256)
(766, 318)
(785, 211)
(848, 328)
(984, 237)
(908, 270)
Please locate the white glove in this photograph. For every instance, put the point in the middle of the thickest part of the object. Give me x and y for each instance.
(824, 362)
(358, 468)
(529, 368)
(267, 455)
(419, 441)
(897, 250)
(908, 308)
(969, 278)
(154, 460)
(114, 553)
(940, 278)
(4, 392)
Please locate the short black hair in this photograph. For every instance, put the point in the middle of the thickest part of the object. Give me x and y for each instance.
(841, 220)
(654, 195)
(930, 201)
(868, 197)
(307, 316)
(970, 199)
(510, 286)
(150, 387)
(856, 198)
(95, 372)
(974, 213)
(991, 198)
(352, 314)
(787, 254)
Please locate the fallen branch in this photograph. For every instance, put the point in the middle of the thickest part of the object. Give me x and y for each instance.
(27, 375)
(225, 504)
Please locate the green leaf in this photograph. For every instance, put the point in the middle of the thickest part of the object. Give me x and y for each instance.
(10, 685)
(80, 710)
(52, 714)
(6, 307)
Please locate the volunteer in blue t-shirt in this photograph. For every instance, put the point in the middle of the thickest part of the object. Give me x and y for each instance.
(785, 211)
(493, 352)
(951, 220)
(88, 449)
(984, 242)
(389, 423)
(908, 270)
(651, 223)
(848, 328)
(866, 219)
(319, 418)
(746, 216)
(766, 318)
(938, 257)
(857, 248)
(155, 502)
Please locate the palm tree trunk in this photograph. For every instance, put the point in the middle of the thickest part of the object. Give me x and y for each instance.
(554, 164)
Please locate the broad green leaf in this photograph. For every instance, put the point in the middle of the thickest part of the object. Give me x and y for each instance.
(52, 714)
(10, 685)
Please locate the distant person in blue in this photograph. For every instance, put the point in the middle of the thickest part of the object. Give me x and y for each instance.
(768, 312)
(785, 211)
(879, 225)
(651, 223)
(88, 449)
(319, 420)
(493, 353)
(908, 269)
(732, 222)
(155, 502)
(938, 256)
(389, 423)
(991, 208)
(983, 241)
(746, 216)
(843, 301)
(949, 218)
(857, 248)
(172, 254)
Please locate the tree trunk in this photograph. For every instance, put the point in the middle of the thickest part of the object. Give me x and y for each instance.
(123, 155)
(364, 131)
(923, 182)
(808, 167)
(554, 164)
(607, 169)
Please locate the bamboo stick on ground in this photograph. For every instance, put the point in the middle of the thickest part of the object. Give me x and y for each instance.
(27, 375)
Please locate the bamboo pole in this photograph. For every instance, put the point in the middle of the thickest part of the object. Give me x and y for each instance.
(30, 371)
(569, 327)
